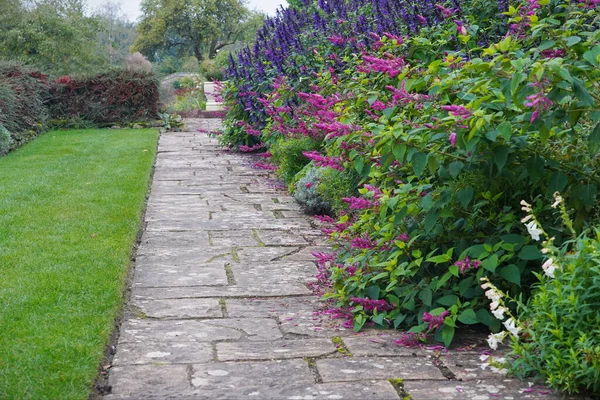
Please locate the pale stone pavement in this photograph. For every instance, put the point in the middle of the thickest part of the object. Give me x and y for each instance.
(220, 309)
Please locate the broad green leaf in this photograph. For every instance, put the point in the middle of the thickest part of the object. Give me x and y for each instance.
(430, 220)
(591, 56)
(505, 129)
(530, 253)
(582, 94)
(491, 263)
(572, 40)
(546, 44)
(398, 320)
(455, 167)
(511, 273)
(399, 151)
(535, 168)
(468, 317)
(426, 295)
(594, 139)
(464, 196)
(500, 156)
(359, 165)
(484, 316)
(447, 335)
(373, 292)
(418, 162)
(448, 300)
(517, 78)
(442, 258)
(557, 182)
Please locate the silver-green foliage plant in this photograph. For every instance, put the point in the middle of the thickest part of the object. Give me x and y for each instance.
(307, 193)
(5, 140)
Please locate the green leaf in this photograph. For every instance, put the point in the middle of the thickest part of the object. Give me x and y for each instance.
(582, 94)
(430, 220)
(591, 56)
(373, 292)
(505, 129)
(572, 40)
(500, 156)
(399, 151)
(464, 196)
(557, 182)
(442, 258)
(546, 44)
(535, 168)
(398, 320)
(447, 335)
(484, 316)
(448, 300)
(594, 139)
(511, 273)
(491, 263)
(517, 78)
(530, 253)
(418, 162)
(455, 168)
(359, 165)
(468, 317)
(388, 112)
(426, 295)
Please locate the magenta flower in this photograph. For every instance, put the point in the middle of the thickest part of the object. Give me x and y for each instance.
(403, 237)
(458, 111)
(363, 243)
(452, 139)
(324, 161)
(466, 264)
(435, 322)
(358, 203)
(410, 339)
(372, 305)
(265, 166)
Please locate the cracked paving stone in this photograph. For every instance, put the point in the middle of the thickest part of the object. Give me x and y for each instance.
(182, 275)
(272, 350)
(137, 330)
(280, 238)
(470, 367)
(307, 323)
(149, 352)
(250, 290)
(508, 389)
(274, 273)
(240, 238)
(179, 308)
(171, 243)
(355, 368)
(264, 308)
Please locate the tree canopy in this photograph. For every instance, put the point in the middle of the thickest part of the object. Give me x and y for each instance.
(196, 27)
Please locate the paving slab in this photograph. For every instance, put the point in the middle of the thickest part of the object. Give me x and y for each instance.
(365, 368)
(180, 275)
(265, 308)
(257, 289)
(163, 352)
(139, 330)
(275, 350)
(179, 308)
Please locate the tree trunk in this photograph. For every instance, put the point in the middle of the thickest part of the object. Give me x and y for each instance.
(198, 53)
(212, 52)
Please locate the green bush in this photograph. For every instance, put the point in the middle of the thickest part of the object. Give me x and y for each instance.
(335, 185)
(287, 154)
(5, 140)
(306, 192)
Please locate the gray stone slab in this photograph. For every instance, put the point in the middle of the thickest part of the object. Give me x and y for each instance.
(280, 238)
(141, 330)
(308, 323)
(266, 254)
(255, 290)
(365, 368)
(265, 308)
(471, 367)
(274, 273)
(172, 243)
(179, 308)
(220, 224)
(485, 390)
(380, 345)
(244, 237)
(163, 352)
(184, 257)
(143, 381)
(180, 275)
(306, 253)
(275, 350)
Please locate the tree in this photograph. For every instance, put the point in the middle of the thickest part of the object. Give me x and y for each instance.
(117, 34)
(54, 35)
(195, 27)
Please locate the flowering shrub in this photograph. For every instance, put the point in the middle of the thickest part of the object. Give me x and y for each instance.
(450, 115)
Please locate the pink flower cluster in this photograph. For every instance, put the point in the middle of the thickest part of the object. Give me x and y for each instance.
(539, 101)
(248, 149)
(248, 128)
(336, 129)
(359, 203)
(403, 97)
(435, 321)
(372, 305)
(363, 242)
(390, 65)
(467, 264)
(410, 339)
(324, 161)
(458, 111)
(265, 166)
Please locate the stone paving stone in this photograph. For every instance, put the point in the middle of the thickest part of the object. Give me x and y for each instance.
(255, 290)
(265, 254)
(380, 345)
(144, 381)
(244, 237)
(163, 275)
(179, 308)
(470, 367)
(209, 256)
(365, 368)
(140, 330)
(219, 224)
(264, 308)
(163, 352)
(274, 350)
(277, 238)
(273, 273)
(486, 390)
(306, 323)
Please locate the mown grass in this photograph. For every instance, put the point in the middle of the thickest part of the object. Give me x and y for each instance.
(70, 208)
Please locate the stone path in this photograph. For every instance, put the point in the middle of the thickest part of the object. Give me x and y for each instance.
(219, 308)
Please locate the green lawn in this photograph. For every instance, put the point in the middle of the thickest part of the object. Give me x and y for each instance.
(70, 208)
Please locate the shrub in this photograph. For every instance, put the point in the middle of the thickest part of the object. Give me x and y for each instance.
(287, 154)
(137, 62)
(22, 95)
(5, 140)
(335, 185)
(105, 98)
(306, 192)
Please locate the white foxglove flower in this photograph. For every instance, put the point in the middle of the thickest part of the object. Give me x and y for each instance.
(557, 200)
(494, 305)
(494, 339)
(526, 206)
(511, 326)
(549, 267)
(499, 313)
(526, 218)
(533, 230)
(493, 295)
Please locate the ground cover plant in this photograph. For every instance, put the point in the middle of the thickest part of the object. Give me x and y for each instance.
(70, 210)
(451, 114)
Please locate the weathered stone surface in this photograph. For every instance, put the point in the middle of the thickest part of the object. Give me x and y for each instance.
(273, 350)
(264, 308)
(484, 390)
(308, 323)
(144, 381)
(273, 273)
(255, 290)
(179, 308)
(163, 352)
(181, 275)
(138, 330)
(278, 238)
(243, 237)
(380, 345)
(364, 368)
(471, 367)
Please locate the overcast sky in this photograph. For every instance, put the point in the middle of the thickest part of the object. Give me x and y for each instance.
(131, 8)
